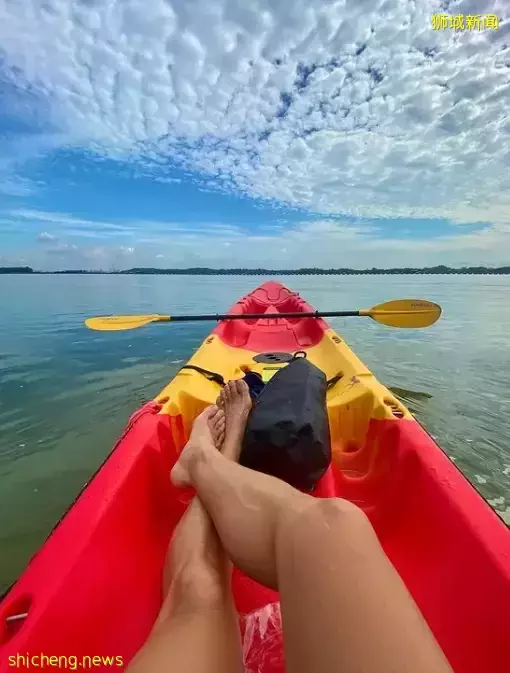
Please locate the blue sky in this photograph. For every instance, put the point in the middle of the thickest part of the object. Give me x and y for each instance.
(226, 133)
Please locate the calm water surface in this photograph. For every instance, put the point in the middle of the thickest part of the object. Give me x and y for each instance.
(66, 392)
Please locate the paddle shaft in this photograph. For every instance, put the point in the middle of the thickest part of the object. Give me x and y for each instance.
(295, 314)
(258, 316)
(395, 313)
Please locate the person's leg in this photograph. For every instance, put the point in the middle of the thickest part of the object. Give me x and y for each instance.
(197, 629)
(344, 607)
(243, 504)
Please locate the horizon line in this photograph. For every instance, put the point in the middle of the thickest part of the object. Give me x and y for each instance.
(311, 271)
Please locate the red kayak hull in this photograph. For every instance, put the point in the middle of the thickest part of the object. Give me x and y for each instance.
(94, 589)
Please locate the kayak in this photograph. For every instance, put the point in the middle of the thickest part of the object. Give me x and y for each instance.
(94, 588)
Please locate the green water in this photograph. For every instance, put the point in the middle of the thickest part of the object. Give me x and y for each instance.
(66, 392)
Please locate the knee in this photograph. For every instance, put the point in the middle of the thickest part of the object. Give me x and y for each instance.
(339, 517)
(337, 512)
(319, 517)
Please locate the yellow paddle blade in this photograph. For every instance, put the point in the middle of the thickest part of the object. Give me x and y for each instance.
(405, 313)
(115, 323)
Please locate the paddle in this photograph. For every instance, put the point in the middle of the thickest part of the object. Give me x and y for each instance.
(396, 313)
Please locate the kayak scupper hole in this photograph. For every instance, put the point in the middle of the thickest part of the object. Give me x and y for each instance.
(14, 617)
(395, 408)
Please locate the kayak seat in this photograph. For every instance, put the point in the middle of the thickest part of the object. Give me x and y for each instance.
(259, 334)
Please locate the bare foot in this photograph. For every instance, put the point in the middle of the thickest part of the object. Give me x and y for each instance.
(217, 425)
(236, 402)
(208, 429)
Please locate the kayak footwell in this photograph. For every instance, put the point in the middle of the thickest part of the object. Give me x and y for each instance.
(95, 586)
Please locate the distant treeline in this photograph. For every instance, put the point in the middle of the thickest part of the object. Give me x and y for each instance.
(16, 269)
(312, 271)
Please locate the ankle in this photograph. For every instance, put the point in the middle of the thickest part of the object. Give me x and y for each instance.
(199, 454)
(197, 590)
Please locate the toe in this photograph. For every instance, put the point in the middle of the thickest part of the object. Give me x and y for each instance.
(232, 389)
(241, 386)
(219, 436)
(216, 417)
(218, 427)
(219, 400)
(227, 393)
(243, 393)
(246, 393)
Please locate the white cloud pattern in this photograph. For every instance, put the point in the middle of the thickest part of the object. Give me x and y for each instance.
(343, 107)
(326, 243)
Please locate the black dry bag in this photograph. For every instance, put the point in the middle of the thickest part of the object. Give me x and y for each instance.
(287, 434)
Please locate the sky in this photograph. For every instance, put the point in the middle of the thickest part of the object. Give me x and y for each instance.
(245, 133)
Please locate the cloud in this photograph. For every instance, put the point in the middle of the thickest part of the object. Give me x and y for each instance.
(158, 231)
(63, 250)
(326, 243)
(97, 253)
(86, 228)
(46, 237)
(351, 107)
(17, 186)
(20, 149)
